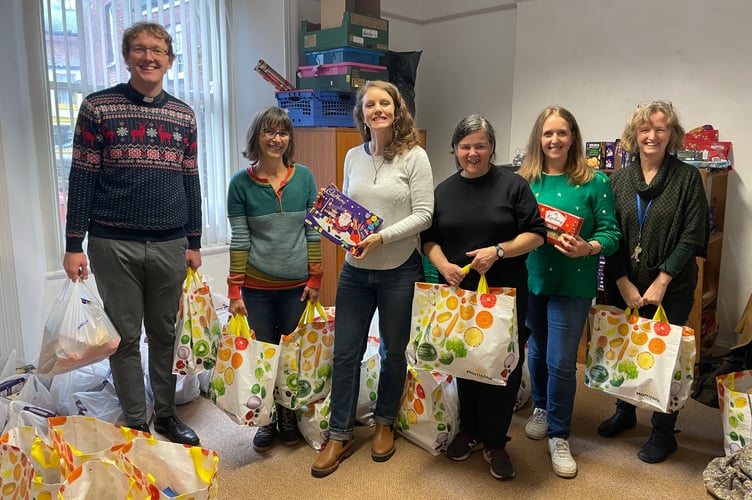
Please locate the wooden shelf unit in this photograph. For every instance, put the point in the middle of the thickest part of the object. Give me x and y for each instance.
(706, 293)
(323, 150)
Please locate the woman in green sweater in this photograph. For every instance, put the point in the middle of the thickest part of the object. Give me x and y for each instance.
(562, 277)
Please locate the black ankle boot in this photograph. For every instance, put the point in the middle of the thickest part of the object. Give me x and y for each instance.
(660, 445)
(623, 419)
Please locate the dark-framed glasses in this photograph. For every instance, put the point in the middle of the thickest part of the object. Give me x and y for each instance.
(155, 51)
(270, 133)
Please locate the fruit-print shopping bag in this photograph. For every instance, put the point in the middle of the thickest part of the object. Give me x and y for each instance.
(429, 410)
(735, 401)
(186, 472)
(647, 362)
(243, 381)
(313, 423)
(305, 371)
(471, 335)
(43, 457)
(78, 439)
(16, 472)
(197, 329)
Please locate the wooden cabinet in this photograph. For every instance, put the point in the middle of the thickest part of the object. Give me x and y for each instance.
(706, 293)
(323, 150)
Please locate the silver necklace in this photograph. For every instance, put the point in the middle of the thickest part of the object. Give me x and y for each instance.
(375, 168)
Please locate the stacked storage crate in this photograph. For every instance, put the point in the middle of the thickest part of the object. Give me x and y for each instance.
(342, 53)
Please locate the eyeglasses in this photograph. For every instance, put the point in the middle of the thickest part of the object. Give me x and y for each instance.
(270, 133)
(155, 51)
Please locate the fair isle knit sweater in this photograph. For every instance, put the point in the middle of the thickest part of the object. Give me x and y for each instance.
(134, 174)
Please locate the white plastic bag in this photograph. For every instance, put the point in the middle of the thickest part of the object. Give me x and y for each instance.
(77, 332)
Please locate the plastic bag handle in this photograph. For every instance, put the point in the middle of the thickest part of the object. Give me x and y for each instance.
(482, 283)
(238, 327)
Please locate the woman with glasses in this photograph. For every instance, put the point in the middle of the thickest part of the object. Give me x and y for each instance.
(390, 175)
(485, 216)
(563, 276)
(275, 259)
(663, 215)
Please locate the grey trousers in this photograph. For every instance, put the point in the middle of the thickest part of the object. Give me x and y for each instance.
(140, 283)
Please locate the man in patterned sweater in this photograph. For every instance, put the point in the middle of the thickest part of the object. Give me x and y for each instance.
(134, 186)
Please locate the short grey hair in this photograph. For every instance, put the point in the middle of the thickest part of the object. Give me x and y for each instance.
(468, 125)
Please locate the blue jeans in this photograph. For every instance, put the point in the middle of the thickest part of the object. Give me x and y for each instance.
(359, 293)
(556, 323)
(273, 313)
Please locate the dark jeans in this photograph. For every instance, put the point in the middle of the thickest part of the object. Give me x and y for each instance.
(359, 293)
(273, 313)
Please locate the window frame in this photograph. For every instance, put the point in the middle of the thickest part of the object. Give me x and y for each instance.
(217, 167)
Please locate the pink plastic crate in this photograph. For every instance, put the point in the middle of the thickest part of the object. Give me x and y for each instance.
(342, 68)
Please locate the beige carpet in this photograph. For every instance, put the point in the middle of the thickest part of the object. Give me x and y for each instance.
(608, 468)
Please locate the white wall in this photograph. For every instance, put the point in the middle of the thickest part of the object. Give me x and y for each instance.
(467, 67)
(600, 59)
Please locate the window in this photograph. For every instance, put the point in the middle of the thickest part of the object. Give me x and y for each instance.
(77, 35)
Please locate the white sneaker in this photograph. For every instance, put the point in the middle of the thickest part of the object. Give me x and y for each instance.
(561, 458)
(537, 424)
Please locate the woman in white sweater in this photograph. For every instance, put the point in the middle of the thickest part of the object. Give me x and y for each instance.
(390, 175)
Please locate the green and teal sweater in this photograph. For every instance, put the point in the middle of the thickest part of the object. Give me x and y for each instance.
(271, 247)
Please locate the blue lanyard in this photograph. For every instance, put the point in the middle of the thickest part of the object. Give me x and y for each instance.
(640, 214)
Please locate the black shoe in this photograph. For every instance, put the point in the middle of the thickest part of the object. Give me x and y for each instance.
(501, 464)
(264, 438)
(288, 426)
(658, 448)
(175, 430)
(140, 427)
(618, 423)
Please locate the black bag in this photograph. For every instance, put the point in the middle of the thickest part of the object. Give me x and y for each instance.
(403, 70)
(705, 389)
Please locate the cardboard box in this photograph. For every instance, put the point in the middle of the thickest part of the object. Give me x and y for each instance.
(342, 220)
(332, 10)
(355, 30)
(559, 222)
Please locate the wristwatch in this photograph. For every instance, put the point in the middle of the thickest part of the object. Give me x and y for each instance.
(499, 251)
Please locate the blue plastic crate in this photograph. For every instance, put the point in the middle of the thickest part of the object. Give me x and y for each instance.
(318, 108)
(344, 54)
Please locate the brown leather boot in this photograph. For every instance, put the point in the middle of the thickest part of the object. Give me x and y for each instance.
(382, 445)
(328, 460)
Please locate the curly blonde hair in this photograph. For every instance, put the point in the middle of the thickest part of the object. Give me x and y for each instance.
(576, 167)
(641, 116)
(405, 135)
